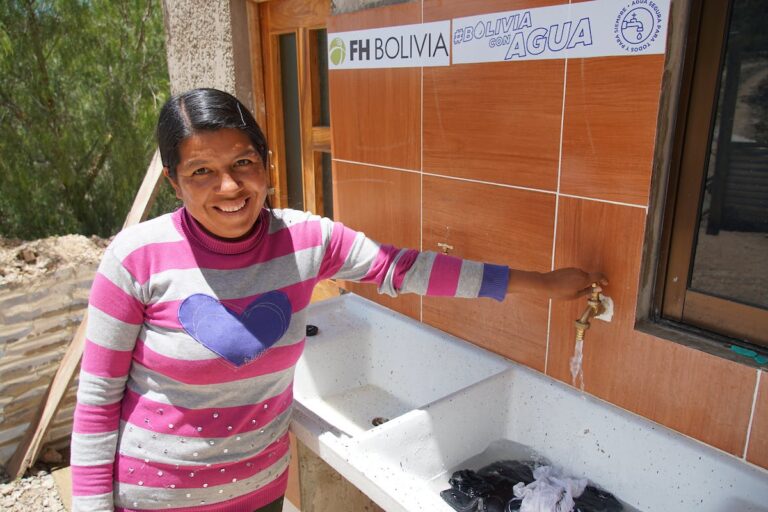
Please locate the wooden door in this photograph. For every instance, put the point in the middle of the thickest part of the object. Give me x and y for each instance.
(291, 51)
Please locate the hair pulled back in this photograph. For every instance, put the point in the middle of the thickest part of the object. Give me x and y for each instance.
(203, 110)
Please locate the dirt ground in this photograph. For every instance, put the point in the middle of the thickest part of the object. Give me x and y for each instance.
(24, 262)
(36, 492)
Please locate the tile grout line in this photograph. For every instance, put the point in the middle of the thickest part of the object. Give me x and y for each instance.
(619, 203)
(752, 414)
(549, 324)
(502, 185)
(421, 142)
(557, 208)
(421, 169)
(389, 167)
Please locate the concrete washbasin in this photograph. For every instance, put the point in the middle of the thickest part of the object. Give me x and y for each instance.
(452, 405)
(368, 364)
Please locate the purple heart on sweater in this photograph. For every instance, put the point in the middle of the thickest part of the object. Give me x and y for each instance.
(238, 338)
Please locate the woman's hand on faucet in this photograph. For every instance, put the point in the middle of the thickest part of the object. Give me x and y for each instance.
(560, 284)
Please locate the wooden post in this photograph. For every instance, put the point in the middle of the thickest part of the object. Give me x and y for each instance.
(29, 448)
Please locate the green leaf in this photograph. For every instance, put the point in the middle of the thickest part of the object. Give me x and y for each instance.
(79, 88)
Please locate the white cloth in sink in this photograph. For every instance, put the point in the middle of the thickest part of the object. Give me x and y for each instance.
(551, 491)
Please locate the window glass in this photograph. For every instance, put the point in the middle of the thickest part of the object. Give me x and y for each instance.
(322, 58)
(731, 249)
(327, 186)
(289, 81)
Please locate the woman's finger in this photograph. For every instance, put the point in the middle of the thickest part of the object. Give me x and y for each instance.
(599, 278)
(588, 290)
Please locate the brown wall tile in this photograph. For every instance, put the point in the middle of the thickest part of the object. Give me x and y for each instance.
(376, 113)
(700, 395)
(448, 9)
(758, 437)
(497, 122)
(500, 122)
(704, 396)
(498, 225)
(515, 328)
(384, 204)
(611, 107)
(603, 237)
(398, 14)
(596, 237)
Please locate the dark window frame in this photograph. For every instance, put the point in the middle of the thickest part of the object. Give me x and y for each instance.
(673, 302)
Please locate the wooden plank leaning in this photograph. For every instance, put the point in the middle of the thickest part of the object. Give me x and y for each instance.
(29, 448)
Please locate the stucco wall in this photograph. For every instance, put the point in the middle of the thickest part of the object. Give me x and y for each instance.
(207, 46)
(207, 43)
(344, 6)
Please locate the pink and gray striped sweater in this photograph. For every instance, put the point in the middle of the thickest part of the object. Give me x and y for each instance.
(186, 382)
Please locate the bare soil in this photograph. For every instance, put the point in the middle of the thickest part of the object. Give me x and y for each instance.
(36, 492)
(24, 262)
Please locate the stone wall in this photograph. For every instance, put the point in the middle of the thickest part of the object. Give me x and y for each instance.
(37, 323)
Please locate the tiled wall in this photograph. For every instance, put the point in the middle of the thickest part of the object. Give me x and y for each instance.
(536, 165)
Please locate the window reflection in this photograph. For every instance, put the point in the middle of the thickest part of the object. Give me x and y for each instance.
(731, 252)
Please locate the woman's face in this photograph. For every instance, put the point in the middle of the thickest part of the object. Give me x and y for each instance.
(221, 180)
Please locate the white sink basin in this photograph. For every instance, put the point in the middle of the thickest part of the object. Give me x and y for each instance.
(521, 414)
(368, 362)
(454, 406)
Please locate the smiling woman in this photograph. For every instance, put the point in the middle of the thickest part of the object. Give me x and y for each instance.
(215, 157)
(197, 318)
(222, 181)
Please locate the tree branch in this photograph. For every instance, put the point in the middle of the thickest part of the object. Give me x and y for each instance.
(45, 93)
(144, 19)
(97, 165)
(12, 107)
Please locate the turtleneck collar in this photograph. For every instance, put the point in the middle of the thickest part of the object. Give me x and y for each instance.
(198, 236)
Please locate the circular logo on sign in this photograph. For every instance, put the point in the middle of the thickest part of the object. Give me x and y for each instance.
(337, 51)
(638, 26)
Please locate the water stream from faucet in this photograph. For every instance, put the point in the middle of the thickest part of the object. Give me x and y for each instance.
(577, 369)
(576, 362)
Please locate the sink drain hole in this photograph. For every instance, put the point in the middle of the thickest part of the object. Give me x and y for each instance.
(378, 420)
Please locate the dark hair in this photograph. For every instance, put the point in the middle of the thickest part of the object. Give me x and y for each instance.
(203, 110)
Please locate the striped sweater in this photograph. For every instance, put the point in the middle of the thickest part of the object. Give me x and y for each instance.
(185, 389)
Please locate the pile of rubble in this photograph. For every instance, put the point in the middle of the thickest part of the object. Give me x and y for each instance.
(36, 492)
(24, 262)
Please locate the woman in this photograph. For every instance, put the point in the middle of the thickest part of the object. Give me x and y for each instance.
(197, 318)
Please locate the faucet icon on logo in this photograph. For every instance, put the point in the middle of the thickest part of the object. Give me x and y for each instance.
(633, 23)
(637, 25)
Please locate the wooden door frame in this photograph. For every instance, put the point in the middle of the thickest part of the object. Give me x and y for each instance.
(267, 21)
(705, 55)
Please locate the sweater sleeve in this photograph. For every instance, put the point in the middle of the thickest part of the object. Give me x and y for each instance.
(115, 316)
(351, 255)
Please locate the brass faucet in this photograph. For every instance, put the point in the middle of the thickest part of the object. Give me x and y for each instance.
(594, 308)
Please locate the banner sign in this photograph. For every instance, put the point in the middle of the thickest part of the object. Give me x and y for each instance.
(600, 28)
(422, 44)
